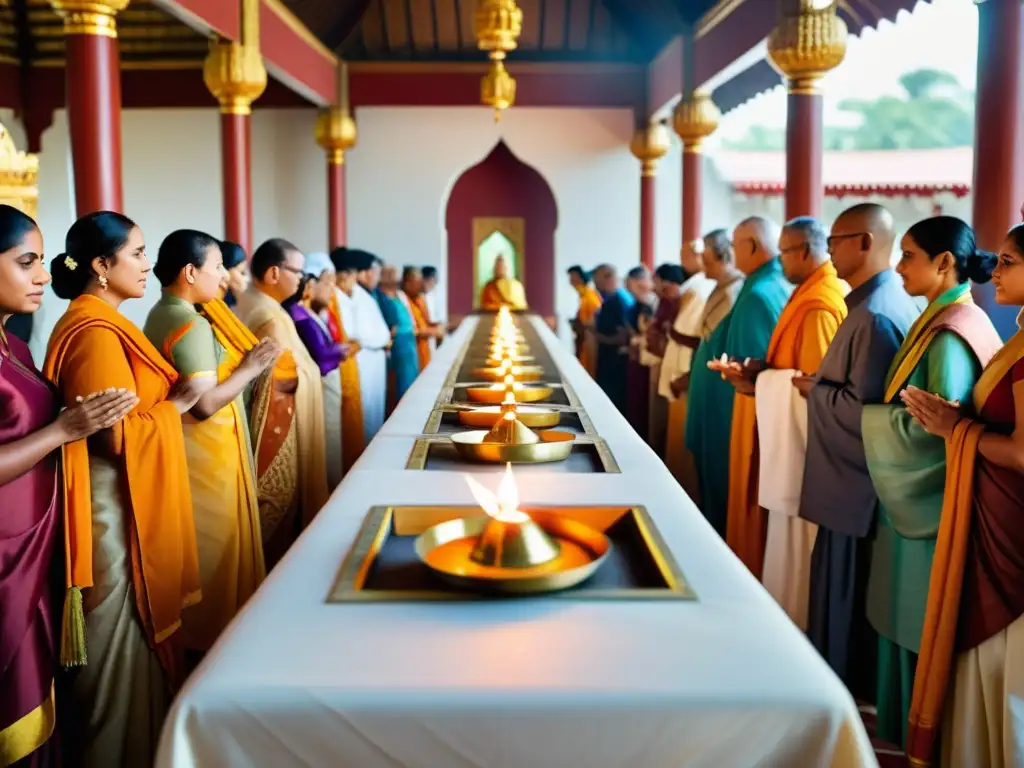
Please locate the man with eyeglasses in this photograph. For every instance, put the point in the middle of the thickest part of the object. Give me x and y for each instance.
(766, 456)
(744, 333)
(837, 492)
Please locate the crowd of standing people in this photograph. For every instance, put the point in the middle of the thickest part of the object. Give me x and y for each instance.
(150, 477)
(855, 433)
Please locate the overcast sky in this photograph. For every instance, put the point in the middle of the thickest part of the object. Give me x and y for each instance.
(942, 34)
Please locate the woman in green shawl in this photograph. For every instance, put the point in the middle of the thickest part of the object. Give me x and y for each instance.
(943, 353)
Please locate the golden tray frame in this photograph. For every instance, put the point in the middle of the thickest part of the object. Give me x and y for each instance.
(421, 447)
(433, 425)
(409, 520)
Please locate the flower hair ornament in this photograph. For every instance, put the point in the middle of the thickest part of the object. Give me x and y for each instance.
(70, 263)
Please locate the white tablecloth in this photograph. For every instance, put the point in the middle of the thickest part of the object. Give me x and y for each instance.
(725, 681)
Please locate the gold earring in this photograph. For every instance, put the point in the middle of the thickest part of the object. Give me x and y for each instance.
(103, 282)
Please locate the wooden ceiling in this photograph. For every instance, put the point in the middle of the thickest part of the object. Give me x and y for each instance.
(31, 33)
(553, 30)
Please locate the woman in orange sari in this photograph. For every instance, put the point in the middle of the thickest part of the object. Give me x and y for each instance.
(130, 548)
(31, 434)
(220, 461)
(973, 638)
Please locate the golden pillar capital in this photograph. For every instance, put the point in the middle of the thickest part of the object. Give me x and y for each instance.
(694, 119)
(235, 75)
(89, 17)
(649, 145)
(19, 172)
(335, 131)
(807, 43)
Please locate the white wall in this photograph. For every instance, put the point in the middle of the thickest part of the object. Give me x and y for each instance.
(399, 178)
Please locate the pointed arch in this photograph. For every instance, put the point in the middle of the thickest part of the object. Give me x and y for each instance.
(501, 186)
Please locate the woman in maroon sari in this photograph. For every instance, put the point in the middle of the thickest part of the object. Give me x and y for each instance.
(30, 505)
(969, 679)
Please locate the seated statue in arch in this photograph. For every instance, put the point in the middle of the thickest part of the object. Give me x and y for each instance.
(502, 290)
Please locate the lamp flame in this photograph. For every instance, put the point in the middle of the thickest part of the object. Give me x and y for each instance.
(505, 505)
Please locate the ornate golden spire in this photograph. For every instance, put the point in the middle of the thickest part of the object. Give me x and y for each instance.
(649, 145)
(694, 119)
(234, 70)
(807, 43)
(497, 25)
(89, 17)
(18, 174)
(335, 130)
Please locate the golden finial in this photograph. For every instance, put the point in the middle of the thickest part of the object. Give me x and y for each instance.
(694, 119)
(649, 145)
(808, 42)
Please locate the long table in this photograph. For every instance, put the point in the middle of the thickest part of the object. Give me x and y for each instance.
(725, 680)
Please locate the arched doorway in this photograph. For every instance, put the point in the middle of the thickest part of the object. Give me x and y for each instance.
(501, 207)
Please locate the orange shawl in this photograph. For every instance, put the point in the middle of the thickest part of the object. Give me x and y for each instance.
(938, 639)
(236, 338)
(353, 435)
(92, 348)
(806, 326)
(590, 305)
(421, 319)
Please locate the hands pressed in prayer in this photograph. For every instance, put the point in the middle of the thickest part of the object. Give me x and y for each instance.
(804, 384)
(347, 350)
(261, 356)
(936, 415)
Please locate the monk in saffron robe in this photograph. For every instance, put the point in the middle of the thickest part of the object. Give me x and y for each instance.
(341, 320)
(837, 493)
(590, 305)
(426, 329)
(744, 333)
(803, 333)
(944, 353)
(502, 290)
(292, 487)
(967, 681)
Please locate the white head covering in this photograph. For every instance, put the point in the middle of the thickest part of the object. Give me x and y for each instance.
(317, 263)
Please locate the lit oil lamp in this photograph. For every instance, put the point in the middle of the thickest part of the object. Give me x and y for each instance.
(510, 440)
(510, 551)
(507, 368)
(495, 394)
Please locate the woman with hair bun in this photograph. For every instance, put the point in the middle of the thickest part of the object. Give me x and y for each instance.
(967, 680)
(236, 278)
(130, 543)
(220, 460)
(31, 432)
(943, 353)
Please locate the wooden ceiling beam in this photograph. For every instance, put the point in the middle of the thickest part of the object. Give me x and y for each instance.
(347, 21)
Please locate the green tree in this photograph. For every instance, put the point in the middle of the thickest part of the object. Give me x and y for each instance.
(933, 111)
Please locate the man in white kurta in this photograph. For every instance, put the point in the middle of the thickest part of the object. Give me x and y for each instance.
(675, 365)
(374, 337)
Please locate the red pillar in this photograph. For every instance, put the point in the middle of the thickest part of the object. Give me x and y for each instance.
(647, 180)
(336, 222)
(237, 177)
(693, 175)
(999, 142)
(94, 102)
(804, 147)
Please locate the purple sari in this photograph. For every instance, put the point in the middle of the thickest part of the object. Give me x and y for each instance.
(29, 526)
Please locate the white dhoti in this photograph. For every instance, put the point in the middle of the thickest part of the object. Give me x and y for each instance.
(332, 427)
(782, 435)
(984, 722)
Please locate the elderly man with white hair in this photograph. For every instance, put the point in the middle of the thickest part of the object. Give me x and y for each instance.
(744, 333)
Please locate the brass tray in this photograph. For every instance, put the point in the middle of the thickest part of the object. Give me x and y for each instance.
(382, 567)
(589, 455)
(448, 419)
